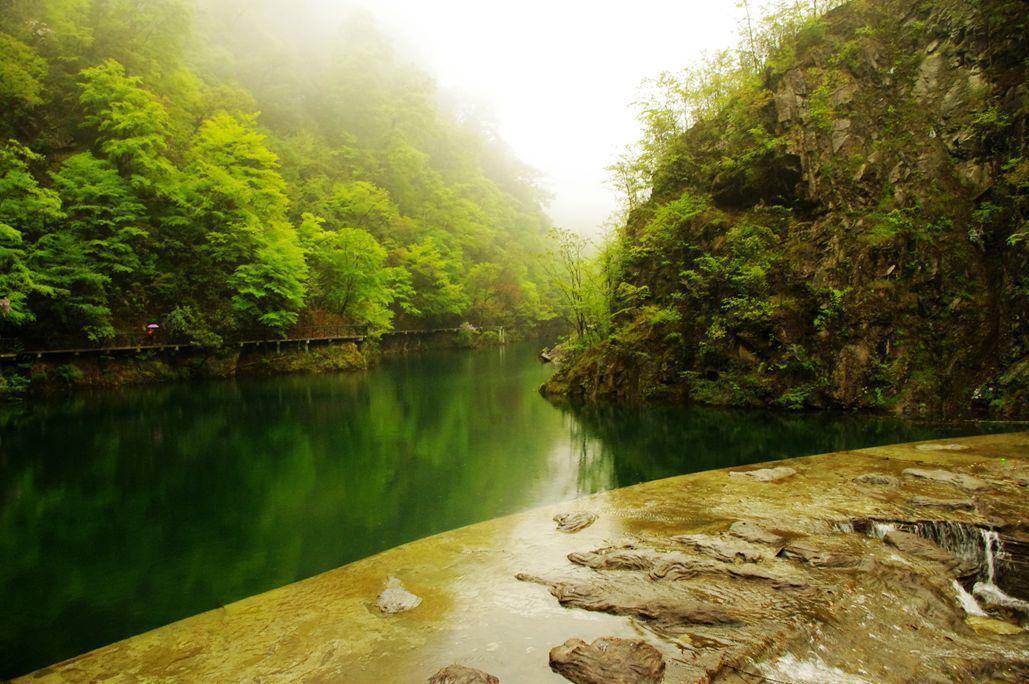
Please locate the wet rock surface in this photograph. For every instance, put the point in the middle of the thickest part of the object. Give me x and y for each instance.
(460, 674)
(748, 602)
(396, 599)
(573, 522)
(608, 660)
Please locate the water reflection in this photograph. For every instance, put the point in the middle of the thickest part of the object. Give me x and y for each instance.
(122, 511)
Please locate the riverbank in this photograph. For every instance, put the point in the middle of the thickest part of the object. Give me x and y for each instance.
(821, 570)
(47, 374)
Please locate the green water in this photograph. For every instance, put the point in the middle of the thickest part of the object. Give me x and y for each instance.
(122, 511)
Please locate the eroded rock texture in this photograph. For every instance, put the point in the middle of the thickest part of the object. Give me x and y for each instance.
(575, 521)
(461, 674)
(608, 661)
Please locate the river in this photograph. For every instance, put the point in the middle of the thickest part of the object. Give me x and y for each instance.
(124, 510)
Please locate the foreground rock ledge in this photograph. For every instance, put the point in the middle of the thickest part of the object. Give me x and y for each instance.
(815, 573)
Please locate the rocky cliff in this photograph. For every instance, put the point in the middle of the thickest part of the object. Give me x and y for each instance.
(848, 233)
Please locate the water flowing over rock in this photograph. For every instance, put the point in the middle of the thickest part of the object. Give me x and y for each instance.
(460, 674)
(967, 482)
(573, 522)
(765, 474)
(396, 599)
(608, 660)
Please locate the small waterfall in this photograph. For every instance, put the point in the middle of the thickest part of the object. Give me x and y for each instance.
(991, 544)
(978, 546)
(986, 588)
(967, 601)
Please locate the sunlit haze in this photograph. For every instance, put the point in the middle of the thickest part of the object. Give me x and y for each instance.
(558, 79)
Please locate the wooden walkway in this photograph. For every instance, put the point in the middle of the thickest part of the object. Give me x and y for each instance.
(30, 354)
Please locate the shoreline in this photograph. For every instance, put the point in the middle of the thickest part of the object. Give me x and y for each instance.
(475, 612)
(46, 377)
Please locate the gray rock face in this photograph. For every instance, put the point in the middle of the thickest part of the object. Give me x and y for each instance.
(573, 522)
(608, 660)
(460, 674)
(881, 479)
(966, 482)
(754, 533)
(396, 599)
(728, 550)
(765, 474)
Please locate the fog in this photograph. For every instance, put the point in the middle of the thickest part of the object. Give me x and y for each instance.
(557, 78)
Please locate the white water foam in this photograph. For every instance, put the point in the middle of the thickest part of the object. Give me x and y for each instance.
(881, 529)
(967, 601)
(811, 671)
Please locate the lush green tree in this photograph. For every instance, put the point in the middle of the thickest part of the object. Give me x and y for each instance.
(365, 206)
(21, 73)
(102, 210)
(435, 278)
(351, 278)
(130, 123)
(25, 212)
(270, 289)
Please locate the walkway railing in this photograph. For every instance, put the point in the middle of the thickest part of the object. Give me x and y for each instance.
(357, 336)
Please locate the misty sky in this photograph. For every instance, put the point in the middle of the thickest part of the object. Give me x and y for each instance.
(557, 77)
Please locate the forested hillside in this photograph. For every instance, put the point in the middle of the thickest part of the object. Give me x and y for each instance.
(218, 170)
(833, 215)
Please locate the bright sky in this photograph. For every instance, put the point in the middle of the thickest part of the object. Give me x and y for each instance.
(558, 76)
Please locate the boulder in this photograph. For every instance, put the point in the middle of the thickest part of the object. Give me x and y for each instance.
(608, 660)
(575, 521)
(396, 599)
(460, 674)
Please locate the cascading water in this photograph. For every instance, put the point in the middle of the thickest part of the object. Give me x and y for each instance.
(986, 588)
(980, 547)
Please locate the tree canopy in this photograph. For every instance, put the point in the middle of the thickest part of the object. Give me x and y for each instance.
(195, 164)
